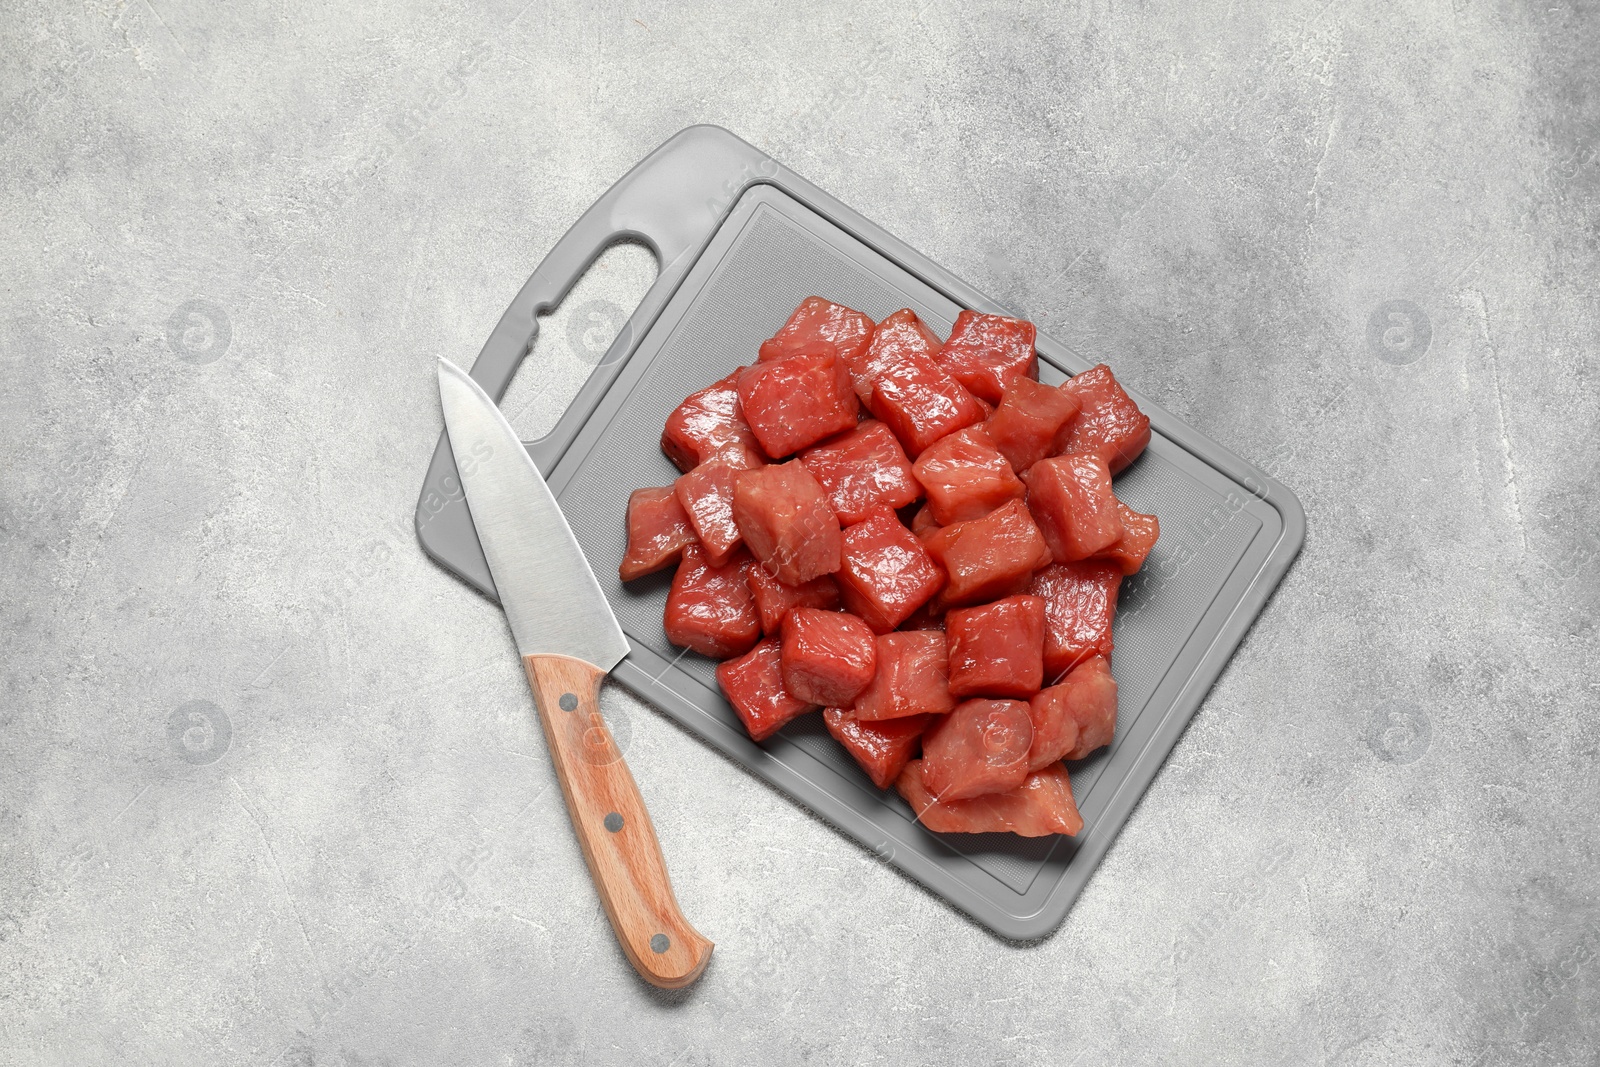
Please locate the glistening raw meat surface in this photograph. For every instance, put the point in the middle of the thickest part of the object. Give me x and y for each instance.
(959, 660)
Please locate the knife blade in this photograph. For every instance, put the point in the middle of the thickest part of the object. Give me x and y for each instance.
(569, 639)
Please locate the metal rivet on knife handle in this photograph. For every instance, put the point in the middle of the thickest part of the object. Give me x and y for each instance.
(569, 702)
(614, 822)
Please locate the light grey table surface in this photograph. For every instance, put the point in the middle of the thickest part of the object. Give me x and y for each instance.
(271, 788)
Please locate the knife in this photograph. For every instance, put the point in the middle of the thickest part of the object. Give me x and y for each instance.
(569, 640)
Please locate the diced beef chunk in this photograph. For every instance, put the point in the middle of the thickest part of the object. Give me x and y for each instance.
(1072, 719)
(1091, 698)
(966, 477)
(794, 402)
(863, 469)
(1026, 424)
(921, 403)
(785, 520)
(706, 495)
(1055, 728)
(981, 747)
(1080, 601)
(658, 532)
(997, 649)
(898, 337)
(710, 609)
(989, 557)
(1139, 533)
(913, 678)
(1042, 805)
(818, 322)
(1109, 424)
(753, 684)
(1071, 500)
(708, 425)
(885, 574)
(986, 353)
(881, 748)
(828, 656)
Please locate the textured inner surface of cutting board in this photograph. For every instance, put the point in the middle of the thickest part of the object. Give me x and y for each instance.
(771, 253)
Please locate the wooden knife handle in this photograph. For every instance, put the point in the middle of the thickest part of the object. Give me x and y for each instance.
(619, 842)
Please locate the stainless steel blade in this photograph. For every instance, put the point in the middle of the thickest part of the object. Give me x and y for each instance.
(549, 594)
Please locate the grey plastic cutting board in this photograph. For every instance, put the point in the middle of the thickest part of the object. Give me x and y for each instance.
(741, 240)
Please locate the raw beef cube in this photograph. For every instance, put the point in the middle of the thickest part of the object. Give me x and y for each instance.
(981, 747)
(774, 599)
(753, 684)
(817, 322)
(709, 425)
(1091, 698)
(1055, 729)
(986, 353)
(862, 469)
(924, 525)
(1040, 806)
(1025, 425)
(796, 401)
(658, 532)
(710, 609)
(1080, 600)
(882, 748)
(997, 649)
(921, 403)
(1072, 719)
(706, 495)
(828, 656)
(1109, 424)
(966, 477)
(900, 336)
(1071, 500)
(786, 521)
(1139, 533)
(912, 678)
(989, 557)
(885, 574)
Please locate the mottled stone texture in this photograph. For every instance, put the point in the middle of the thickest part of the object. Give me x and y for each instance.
(271, 790)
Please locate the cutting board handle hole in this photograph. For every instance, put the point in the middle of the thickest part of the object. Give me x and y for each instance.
(576, 335)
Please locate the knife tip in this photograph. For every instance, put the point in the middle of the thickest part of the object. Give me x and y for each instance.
(446, 369)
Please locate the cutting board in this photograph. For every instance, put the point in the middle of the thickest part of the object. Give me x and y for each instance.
(741, 240)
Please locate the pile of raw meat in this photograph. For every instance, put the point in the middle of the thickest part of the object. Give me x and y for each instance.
(918, 538)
